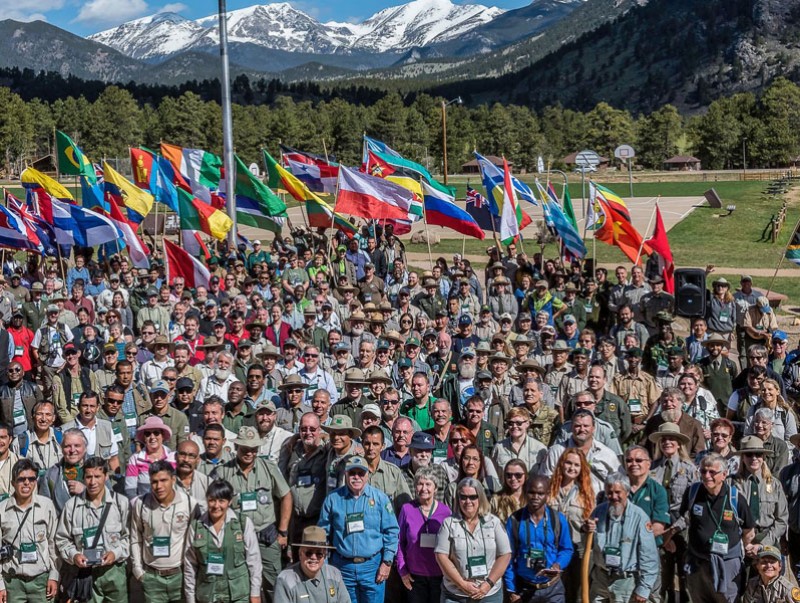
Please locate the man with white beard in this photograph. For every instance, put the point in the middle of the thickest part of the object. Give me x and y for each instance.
(460, 386)
(626, 564)
(358, 332)
(219, 381)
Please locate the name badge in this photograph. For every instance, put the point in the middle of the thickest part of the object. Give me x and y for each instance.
(355, 523)
(697, 510)
(215, 566)
(439, 455)
(427, 541)
(19, 417)
(727, 515)
(88, 537)
(719, 543)
(477, 567)
(724, 316)
(613, 557)
(304, 480)
(160, 547)
(28, 552)
(332, 481)
(117, 434)
(249, 501)
(534, 558)
(18, 350)
(636, 406)
(130, 420)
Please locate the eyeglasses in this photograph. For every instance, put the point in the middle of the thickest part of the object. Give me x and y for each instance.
(457, 440)
(636, 460)
(515, 475)
(319, 553)
(170, 379)
(311, 355)
(720, 434)
(295, 390)
(517, 423)
(472, 497)
(152, 432)
(711, 472)
(755, 455)
(113, 401)
(25, 480)
(19, 370)
(387, 401)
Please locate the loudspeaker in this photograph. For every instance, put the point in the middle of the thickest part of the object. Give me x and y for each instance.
(690, 292)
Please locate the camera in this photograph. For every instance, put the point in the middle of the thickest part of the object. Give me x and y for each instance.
(6, 552)
(93, 556)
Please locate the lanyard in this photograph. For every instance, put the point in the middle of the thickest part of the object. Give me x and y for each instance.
(713, 517)
(469, 536)
(425, 520)
(170, 523)
(528, 530)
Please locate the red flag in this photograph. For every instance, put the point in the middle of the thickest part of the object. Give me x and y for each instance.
(180, 263)
(660, 244)
(616, 230)
(377, 167)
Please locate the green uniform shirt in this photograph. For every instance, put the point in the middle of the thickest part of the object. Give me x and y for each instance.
(257, 491)
(652, 499)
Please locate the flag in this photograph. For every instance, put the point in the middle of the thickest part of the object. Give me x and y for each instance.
(13, 234)
(37, 230)
(180, 263)
(570, 237)
(136, 249)
(441, 210)
(71, 160)
(93, 196)
(613, 200)
(793, 249)
(494, 182)
(616, 230)
(377, 167)
(381, 151)
(477, 207)
(321, 215)
(253, 193)
(79, 226)
(119, 190)
(400, 227)
(569, 212)
(281, 177)
(32, 178)
(509, 220)
(149, 175)
(195, 165)
(660, 244)
(319, 174)
(415, 187)
(373, 198)
(196, 215)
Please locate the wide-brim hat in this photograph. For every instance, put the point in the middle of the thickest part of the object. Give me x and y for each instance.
(531, 364)
(669, 430)
(161, 340)
(314, 537)
(355, 375)
(210, 342)
(291, 382)
(379, 376)
(751, 444)
(150, 424)
(394, 336)
(270, 350)
(716, 338)
(342, 423)
(248, 437)
(500, 357)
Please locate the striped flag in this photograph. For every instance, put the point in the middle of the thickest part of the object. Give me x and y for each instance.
(510, 218)
(374, 198)
(180, 263)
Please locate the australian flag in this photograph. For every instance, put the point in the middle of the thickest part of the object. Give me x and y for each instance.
(478, 207)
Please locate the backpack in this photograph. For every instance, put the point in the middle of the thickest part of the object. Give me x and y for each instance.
(514, 519)
(24, 441)
(693, 489)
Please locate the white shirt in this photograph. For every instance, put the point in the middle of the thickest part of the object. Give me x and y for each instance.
(319, 379)
(91, 438)
(273, 442)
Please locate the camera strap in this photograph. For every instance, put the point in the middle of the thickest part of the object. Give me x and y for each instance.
(22, 523)
(101, 525)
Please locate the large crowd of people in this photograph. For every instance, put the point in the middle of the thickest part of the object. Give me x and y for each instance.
(322, 423)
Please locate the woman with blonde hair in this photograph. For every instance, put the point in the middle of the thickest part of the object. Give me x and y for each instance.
(572, 494)
(785, 422)
(764, 494)
(513, 496)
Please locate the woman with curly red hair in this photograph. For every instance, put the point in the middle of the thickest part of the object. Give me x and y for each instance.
(572, 494)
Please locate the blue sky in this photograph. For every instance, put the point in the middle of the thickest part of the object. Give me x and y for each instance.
(88, 16)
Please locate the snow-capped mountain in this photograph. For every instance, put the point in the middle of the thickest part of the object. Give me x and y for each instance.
(282, 27)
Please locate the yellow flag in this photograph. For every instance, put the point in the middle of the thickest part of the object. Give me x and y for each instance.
(406, 182)
(126, 192)
(32, 177)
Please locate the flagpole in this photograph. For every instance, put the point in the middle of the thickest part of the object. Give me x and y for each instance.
(325, 148)
(227, 123)
(647, 230)
(783, 256)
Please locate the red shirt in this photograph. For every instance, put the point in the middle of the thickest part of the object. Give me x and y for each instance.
(23, 337)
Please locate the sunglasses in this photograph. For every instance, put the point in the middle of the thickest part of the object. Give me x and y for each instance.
(16, 370)
(515, 475)
(318, 553)
(296, 390)
(636, 460)
(709, 472)
(152, 432)
(26, 480)
(472, 497)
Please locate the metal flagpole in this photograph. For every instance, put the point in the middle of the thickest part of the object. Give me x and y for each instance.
(783, 256)
(227, 123)
(647, 230)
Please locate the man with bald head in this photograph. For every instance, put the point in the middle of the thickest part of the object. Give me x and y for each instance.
(191, 481)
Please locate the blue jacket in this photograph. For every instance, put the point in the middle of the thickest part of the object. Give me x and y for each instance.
(529, 536)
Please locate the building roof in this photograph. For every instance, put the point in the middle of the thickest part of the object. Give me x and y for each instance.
(494, 159)
(682, 159)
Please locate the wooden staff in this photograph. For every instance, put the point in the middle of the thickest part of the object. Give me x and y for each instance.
(587, 557)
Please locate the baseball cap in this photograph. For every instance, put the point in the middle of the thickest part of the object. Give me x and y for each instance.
(422, 441)
(159, 386)
(184, 383)
(372, 409)
(468, 351)
(569, 318)
(464, 320)
(779, 335)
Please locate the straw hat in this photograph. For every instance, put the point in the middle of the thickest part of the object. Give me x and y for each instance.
(669, 430)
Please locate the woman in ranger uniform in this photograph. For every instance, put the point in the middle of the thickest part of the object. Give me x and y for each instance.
(223, 563)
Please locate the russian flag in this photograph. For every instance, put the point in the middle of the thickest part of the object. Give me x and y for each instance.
(440, 210)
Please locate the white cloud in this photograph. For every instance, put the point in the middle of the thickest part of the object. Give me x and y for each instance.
(28, 10)
(111, 12)
(174, 7)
